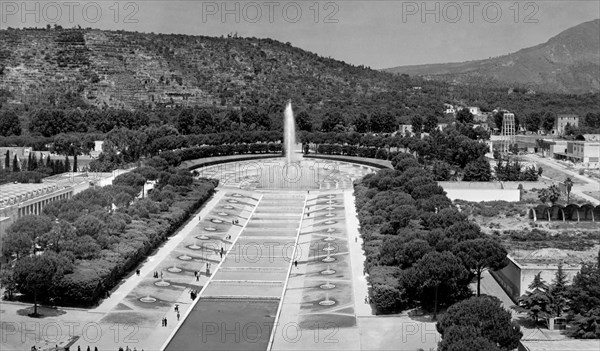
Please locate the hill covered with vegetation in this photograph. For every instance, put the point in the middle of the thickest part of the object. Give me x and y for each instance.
(96, 80)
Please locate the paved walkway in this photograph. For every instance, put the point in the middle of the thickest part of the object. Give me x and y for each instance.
(94, 327)
(579, 190)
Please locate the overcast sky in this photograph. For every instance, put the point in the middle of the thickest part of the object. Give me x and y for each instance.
(379, 34)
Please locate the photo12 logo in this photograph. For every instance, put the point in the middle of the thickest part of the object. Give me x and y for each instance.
(68, 12)
(269, 11)
(469, 11)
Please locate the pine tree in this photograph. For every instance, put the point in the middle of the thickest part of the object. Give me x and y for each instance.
(33, 163)
(538, 283)
(7, 161)
(49, 162)
(15, 166)
(67, 164)
(558, 291)
(29, 162)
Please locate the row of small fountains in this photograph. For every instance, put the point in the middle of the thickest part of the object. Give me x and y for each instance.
(327, 286)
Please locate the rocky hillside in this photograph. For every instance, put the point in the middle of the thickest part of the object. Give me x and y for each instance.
(567, 63)
(128, 69)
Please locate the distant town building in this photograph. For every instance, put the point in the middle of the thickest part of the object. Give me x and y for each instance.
(561, 122)
(578, 151)
(404, 128)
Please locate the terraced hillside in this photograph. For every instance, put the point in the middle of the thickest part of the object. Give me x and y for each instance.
(128, 69)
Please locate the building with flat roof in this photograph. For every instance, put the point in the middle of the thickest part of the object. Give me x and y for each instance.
(578, 151)
(18, 200)
(561, 122)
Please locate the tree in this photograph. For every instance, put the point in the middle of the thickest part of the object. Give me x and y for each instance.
(417, 124)
(532, 122)
(479, 255)
(303, 121)
(430, 124)
(558, 290)
(537, 302)
(464, 116)
(72, 145)
(37, 275)
(592, 119)
(435, 269)
(9, 123)
(552, 194)
(498, 119)
(482, 317)
(569, 186)
(15, 165)
(478, 170)
(548, 121)
(459, 338)
(185, 121)
(7, 160)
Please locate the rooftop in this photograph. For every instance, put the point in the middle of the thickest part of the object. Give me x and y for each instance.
(13, 191)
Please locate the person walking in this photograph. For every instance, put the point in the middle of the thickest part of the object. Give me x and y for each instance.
(296, 263)
(177, 315)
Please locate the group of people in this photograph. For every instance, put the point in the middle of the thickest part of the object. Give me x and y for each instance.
(235, 221)
(126, 349)
(156, 275)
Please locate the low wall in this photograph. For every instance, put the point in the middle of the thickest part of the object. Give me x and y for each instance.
(209, 161)
(372, 162)
(515, 278)
(478, 195)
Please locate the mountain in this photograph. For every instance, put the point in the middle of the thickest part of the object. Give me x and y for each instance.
(567, 63)
(121, 69)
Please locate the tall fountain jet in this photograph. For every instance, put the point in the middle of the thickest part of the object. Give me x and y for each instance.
(289, 135)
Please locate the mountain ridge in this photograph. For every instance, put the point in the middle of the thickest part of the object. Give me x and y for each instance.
(568, 62)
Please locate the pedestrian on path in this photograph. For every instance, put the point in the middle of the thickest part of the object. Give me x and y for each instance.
(366, 299)
(177, 315)
(177, 308)
(296, 263)
(355, 239)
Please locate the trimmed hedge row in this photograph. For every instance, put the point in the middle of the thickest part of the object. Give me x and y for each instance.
(174, 158)
(91, 279)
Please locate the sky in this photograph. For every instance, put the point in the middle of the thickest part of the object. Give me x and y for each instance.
(378, 34)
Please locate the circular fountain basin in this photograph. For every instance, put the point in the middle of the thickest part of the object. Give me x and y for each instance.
(194, 247)
(327, 286)
(215, 220)
(330, 196)
(237, 195)
(174, 270)
(330, 230)
(329, 248)
(148, 299)
(162, 283)
(329, 238)
(330, 222)
(223, 214)
(229, 207)
(203, 237)
(328, 272)
(328, 259)
(327, 303)
(185, 258)
(233, 201)
(330, 215)
(210, 229)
